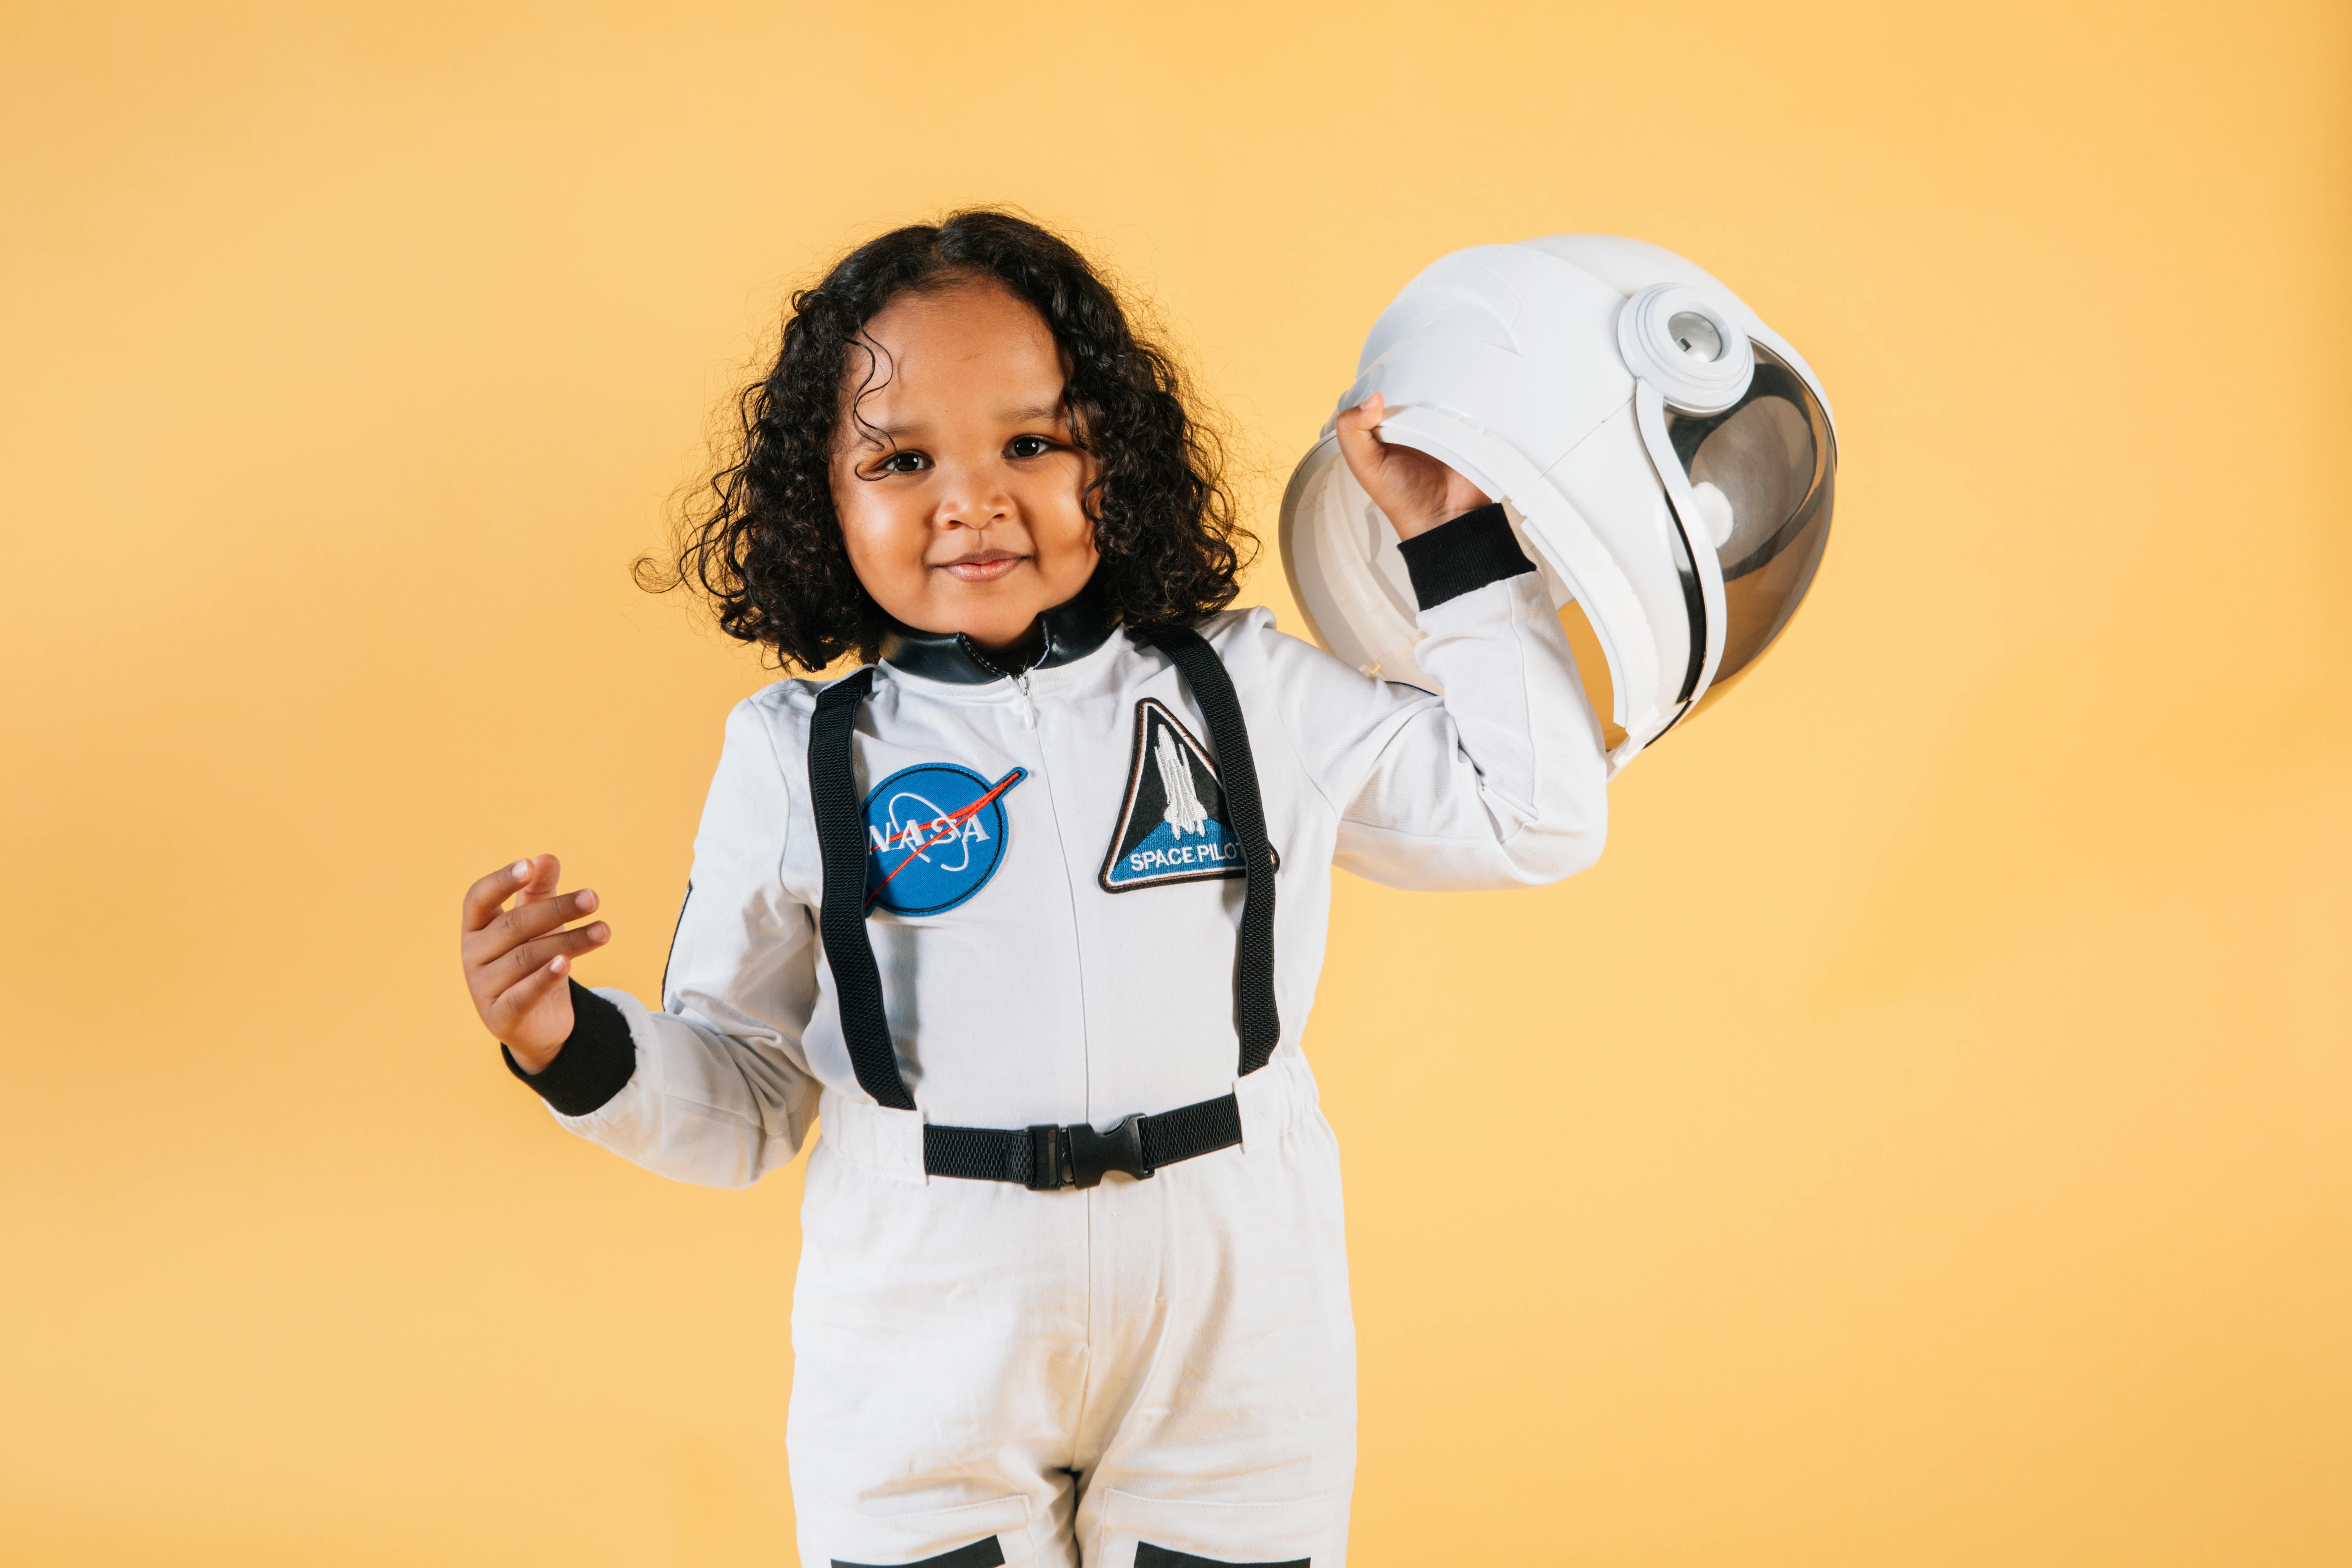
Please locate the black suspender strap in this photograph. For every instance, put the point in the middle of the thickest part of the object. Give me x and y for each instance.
(1046, 1157)
(841, 832)
(1254, 1018)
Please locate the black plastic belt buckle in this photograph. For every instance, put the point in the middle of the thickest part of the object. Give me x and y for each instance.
(1080, 1157)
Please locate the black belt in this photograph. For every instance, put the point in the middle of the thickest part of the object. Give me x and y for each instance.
(1045, 1158)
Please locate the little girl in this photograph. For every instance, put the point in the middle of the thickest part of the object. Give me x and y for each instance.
(1024, 916)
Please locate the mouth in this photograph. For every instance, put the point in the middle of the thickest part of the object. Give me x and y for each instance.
(981, 565)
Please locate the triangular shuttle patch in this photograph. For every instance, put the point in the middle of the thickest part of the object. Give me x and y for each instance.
(1173, 827)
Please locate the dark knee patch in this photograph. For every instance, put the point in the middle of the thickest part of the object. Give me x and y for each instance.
(1150, 1556)
(982, 1553)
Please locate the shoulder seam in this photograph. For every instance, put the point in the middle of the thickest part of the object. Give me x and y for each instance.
(765, 714)
(1282, 722)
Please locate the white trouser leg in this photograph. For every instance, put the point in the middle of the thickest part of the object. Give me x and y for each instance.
(1166, 1364)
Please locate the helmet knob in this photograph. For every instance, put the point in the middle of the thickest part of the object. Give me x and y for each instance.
(1686, 344)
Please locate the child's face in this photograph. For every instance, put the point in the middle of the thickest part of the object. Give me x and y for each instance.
(964, 513)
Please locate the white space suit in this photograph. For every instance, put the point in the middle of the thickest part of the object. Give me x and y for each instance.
(1156, 1372)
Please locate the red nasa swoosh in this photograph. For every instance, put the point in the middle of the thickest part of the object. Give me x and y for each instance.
(948, 826)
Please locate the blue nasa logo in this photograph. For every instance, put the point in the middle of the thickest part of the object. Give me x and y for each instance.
(934, 835)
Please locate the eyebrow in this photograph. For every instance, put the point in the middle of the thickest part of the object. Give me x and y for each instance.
(897, 432)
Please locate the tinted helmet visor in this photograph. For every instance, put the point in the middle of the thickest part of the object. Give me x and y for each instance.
(1763, 475)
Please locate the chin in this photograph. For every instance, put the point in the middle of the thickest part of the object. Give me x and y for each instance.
(995, 633)
(986, 617)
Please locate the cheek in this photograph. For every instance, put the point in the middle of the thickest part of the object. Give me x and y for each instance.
(885, 542)
(1063, 525)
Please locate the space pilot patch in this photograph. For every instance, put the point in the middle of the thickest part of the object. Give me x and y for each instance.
(1173, 827)
(934, 835)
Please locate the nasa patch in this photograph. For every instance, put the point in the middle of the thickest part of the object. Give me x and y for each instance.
(1172, 828)
(934, 835)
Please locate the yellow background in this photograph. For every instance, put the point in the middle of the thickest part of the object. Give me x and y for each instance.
(1927, 1137)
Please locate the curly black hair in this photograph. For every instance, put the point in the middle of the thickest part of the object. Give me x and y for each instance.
(762, 541)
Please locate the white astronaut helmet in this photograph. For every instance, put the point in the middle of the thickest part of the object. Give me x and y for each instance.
(1666, 459)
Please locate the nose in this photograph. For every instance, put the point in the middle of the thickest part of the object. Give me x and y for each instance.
(975, 497)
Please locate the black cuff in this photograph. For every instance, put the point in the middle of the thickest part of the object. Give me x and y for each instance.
(594, 1065)
(1466, 553)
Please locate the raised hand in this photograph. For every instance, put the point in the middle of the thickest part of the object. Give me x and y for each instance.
(515, 959)
(1414, 489)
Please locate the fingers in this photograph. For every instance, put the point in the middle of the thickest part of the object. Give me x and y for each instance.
(515, 959)
(1393, 476)
(524, 922)
(1359, 432)
(515, 968)
(531, 880)
(1369, 458)
(546, 871)
(521, 923)
(1414, 490)
(487, 897)
(501, 947)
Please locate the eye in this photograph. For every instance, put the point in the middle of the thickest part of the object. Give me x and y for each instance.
(903, 462)
(1028, 446)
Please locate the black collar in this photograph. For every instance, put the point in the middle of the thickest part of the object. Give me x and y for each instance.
(1072, 631)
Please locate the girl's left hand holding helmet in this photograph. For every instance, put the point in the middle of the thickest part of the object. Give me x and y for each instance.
(1414, 490)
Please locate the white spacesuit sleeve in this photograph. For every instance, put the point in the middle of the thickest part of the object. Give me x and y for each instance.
(719, 1092)
(1503, 782)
